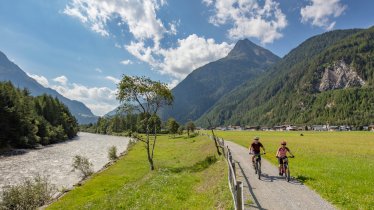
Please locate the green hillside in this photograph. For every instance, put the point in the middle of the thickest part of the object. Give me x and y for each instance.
(303, 87)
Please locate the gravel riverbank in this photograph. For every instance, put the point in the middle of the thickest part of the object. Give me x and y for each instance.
(54, 161)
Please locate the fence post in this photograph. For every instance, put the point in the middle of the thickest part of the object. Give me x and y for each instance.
(239, 195)
(233, 168)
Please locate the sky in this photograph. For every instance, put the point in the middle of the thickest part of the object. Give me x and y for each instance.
(82, 48)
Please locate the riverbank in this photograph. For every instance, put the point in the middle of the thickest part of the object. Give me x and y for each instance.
(54, 161)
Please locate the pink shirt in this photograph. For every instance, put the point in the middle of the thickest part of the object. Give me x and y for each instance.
(282, 152)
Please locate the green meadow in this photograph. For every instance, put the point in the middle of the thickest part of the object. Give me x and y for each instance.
(188, 175)
(338, 165)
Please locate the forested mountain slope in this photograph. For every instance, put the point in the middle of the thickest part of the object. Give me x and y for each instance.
(326, 79)
(204, 86)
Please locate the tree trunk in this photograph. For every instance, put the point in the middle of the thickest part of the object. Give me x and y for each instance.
(150, 158)
(154, 142)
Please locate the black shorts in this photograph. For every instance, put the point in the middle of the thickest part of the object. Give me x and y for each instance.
(257, 154)
(280, 159)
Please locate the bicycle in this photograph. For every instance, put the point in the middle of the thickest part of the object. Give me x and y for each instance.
(285, 169)
(257, 165)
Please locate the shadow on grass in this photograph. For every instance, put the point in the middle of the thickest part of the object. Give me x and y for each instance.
(197, 167)
(303, 179)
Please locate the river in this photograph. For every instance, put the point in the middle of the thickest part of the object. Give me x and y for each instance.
(54, 161)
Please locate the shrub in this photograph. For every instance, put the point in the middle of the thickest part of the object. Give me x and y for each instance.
(83, 165)
(29, 194)
(112, 153)
(193, 135)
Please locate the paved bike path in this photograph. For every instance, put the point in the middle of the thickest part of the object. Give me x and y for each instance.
(272, 191)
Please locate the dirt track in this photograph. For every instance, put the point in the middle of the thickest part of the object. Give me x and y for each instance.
(272, 191)
(55, 161)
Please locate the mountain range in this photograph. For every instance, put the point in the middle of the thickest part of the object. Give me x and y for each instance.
(9, 71)
(327, 79)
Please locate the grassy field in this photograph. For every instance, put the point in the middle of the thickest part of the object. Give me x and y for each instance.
(188, 175)
(338, 165)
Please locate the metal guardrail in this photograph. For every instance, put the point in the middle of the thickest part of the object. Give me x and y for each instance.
(236, 187)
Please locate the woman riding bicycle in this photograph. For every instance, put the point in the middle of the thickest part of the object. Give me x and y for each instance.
(282, 154)
(255, 148)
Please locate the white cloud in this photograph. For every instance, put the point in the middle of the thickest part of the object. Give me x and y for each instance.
(99, 70)
(190, 54)
(320, 12)
(173, 83)
(126, 62)
(100, 100)
(40, 79)
(61, 79)
(140, 16)
(113, 79)
(249, 19)
(148, 30)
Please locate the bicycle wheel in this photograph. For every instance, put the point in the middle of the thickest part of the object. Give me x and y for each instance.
(256, 167)
(259, 170)
(288, 175)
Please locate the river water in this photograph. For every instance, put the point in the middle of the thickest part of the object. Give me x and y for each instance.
(55, 161)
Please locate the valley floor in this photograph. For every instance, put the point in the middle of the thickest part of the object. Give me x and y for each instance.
(188, 175)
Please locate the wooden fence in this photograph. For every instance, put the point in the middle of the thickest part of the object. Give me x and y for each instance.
(236, 187)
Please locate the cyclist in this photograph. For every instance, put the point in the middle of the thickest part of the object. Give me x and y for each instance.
(255, 148)
(282, 154)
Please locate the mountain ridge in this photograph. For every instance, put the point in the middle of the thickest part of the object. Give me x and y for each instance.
(10, 71)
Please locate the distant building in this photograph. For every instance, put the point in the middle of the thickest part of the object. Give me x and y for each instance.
(291, 128)
(334, 128)
(280, 128)
(252, 128)
(345, 128)
(319, 127)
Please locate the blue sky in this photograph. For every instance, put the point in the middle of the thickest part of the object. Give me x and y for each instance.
(81, 48)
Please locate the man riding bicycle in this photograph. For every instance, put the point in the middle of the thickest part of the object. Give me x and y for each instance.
(255, 148)
(282, 154)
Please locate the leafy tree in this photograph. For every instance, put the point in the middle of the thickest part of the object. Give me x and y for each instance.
(147, 97)
(172, 126)
(190, 127)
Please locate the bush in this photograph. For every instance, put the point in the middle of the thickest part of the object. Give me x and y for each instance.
(83, 165)
(193, 135)
(30, 194)
(112, 153)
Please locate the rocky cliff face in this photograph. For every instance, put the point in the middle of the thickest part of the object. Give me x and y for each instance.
(340, 76)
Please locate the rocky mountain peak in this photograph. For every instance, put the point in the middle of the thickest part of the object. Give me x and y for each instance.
(340, 76)
(247, 50)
